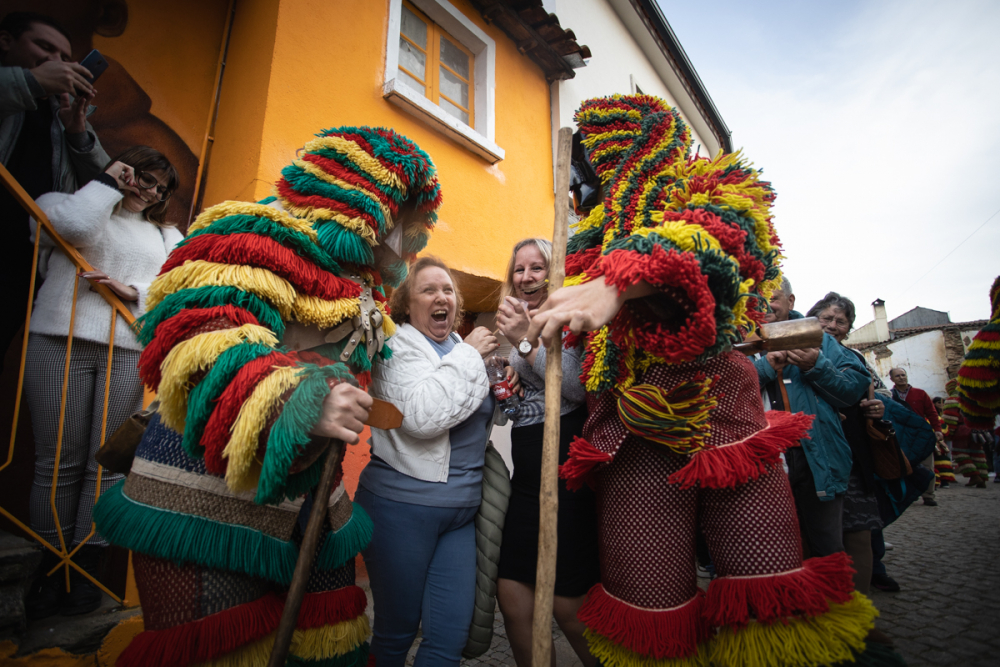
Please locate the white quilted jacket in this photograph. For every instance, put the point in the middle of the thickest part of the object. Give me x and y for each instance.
(434, 394)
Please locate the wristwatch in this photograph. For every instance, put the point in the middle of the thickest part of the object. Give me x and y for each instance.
(524, 347)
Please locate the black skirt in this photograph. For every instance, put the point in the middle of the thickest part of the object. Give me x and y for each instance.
(577, 566)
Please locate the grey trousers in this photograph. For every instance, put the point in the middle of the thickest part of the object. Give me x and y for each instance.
(929, 464)
(77, 482)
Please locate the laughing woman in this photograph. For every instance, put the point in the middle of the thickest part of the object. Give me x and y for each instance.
(423, 485)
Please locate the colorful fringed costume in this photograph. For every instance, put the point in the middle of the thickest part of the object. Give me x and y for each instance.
(677, 434)
(211, 508)
(979, 392)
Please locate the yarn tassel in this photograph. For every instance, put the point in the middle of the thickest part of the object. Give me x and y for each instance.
(342, 545)
(677, 419)
(728, 466)
(807, 590)
(331, 607)
(330, 641)
(583, 458)
(657, 633)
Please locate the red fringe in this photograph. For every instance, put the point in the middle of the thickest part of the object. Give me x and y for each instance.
(176, 329)
(578, 262)
(205, 639)
(354, 178)
(807, 591)
(265, 252)
(287, 191)
(583, 457)
(331, 607)
(673, 633)
(729, 466)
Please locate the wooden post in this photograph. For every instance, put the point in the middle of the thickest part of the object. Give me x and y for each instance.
(545, 578)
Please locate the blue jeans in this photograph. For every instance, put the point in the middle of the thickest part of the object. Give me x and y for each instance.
(422, 567)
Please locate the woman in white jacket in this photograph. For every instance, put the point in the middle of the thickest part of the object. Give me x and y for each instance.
(424, 482)
(117, 222)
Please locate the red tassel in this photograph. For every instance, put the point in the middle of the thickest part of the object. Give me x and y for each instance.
(205, 639)
(807, 591)
(728, 466)
(583, 457)
(658, 633)
(331, 607)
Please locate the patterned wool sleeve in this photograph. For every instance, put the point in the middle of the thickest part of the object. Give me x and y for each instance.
(697, 229)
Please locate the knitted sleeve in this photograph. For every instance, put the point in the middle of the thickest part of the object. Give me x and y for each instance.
(217, 312)
(697, 229)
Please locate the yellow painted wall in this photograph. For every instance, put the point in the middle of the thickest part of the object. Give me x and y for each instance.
(327, 69)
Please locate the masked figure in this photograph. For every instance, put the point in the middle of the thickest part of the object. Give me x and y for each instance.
(677, 439)
(254, 318)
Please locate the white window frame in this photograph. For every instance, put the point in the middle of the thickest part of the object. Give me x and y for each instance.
(481, 140)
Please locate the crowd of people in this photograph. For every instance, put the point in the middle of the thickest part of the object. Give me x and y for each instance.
(217, 337)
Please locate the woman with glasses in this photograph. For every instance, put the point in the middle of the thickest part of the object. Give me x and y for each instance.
(118, 223)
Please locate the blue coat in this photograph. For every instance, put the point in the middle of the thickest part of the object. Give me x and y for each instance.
(838, 380)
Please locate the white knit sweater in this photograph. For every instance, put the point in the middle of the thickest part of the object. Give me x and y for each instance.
(123, 245)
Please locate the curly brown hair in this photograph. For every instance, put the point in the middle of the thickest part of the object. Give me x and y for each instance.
(399, 302)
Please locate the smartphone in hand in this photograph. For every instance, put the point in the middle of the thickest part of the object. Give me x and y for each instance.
(95, 64)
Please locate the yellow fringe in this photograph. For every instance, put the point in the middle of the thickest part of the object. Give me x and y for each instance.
(243, 470)
(354, 225)
(196, 354)
(210, 215)
(366, 162)
(801, 642)
(314, 170)
(250, 655)
(330, 641)
(599, 350)
(314, 310)
(594, 219)
(686, 236)
(611, 654)
(388, 326)
(199, 273)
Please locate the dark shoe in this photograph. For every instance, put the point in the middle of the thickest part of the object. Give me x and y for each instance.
(930, 502)
(884, 582)
(83, 597)
(875, 635)
(45, 592)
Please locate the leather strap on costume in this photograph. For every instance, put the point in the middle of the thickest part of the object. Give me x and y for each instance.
(366, 326)
(780, 379)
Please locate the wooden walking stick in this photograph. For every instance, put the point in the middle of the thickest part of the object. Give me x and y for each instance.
(545, 577)
(383, 415)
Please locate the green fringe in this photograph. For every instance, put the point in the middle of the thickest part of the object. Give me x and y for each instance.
(876, 655)
(305, 183)
(187, 538)
(343, 545)
(296, 241)
(290, 433)
(356, 658)
(207, 297)
(203, 397)
(267, 200)
(303, 482)
(343, 244)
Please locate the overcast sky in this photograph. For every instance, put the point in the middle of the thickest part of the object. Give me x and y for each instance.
(878, 124)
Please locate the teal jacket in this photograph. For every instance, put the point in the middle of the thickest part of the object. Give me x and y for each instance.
(838, 380)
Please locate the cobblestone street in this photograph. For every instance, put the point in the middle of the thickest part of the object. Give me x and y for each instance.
(945, 560)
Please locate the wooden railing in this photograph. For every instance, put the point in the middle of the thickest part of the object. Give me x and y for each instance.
(118, 309)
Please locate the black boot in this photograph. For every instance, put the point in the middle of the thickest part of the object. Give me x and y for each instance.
(83, 597)
(45, 592)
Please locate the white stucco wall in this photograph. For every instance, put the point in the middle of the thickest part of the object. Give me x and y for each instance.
(923, 357)
(618, 63)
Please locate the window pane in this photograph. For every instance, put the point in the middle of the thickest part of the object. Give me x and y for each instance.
(414, 28)
(454, 111)
(412, 59)
(454, 88)
(454, 57)
(411, 82)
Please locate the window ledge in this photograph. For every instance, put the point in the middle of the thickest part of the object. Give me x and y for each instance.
(398, 93)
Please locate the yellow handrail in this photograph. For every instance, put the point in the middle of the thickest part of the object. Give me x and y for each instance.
(118, 309)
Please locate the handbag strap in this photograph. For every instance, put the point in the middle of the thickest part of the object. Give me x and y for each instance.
(780, 379)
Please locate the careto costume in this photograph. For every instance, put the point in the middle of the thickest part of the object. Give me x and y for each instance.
(677, 437)
(211, 508)
(979, 393)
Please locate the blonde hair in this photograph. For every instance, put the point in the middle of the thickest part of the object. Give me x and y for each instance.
(544, 247)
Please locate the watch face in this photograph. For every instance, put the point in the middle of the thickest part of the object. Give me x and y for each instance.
(524, 347)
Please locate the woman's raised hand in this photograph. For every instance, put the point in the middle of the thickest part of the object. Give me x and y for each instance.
(345, 411)
(483, 340)
(124, 292)
(513, 319)
(125, 175)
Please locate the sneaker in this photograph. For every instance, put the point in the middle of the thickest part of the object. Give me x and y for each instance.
(703, 572)
(884, 582)
(888, 546)
(930, 502)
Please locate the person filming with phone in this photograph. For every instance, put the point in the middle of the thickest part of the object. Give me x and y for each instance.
(45, 140)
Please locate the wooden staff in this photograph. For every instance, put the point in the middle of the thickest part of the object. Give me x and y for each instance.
(383, 415)
(545, 578)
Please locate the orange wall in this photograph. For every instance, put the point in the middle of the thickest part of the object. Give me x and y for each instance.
(327, 70)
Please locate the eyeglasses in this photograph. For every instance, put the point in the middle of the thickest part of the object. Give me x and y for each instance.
(148, 181)
(826, 321)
